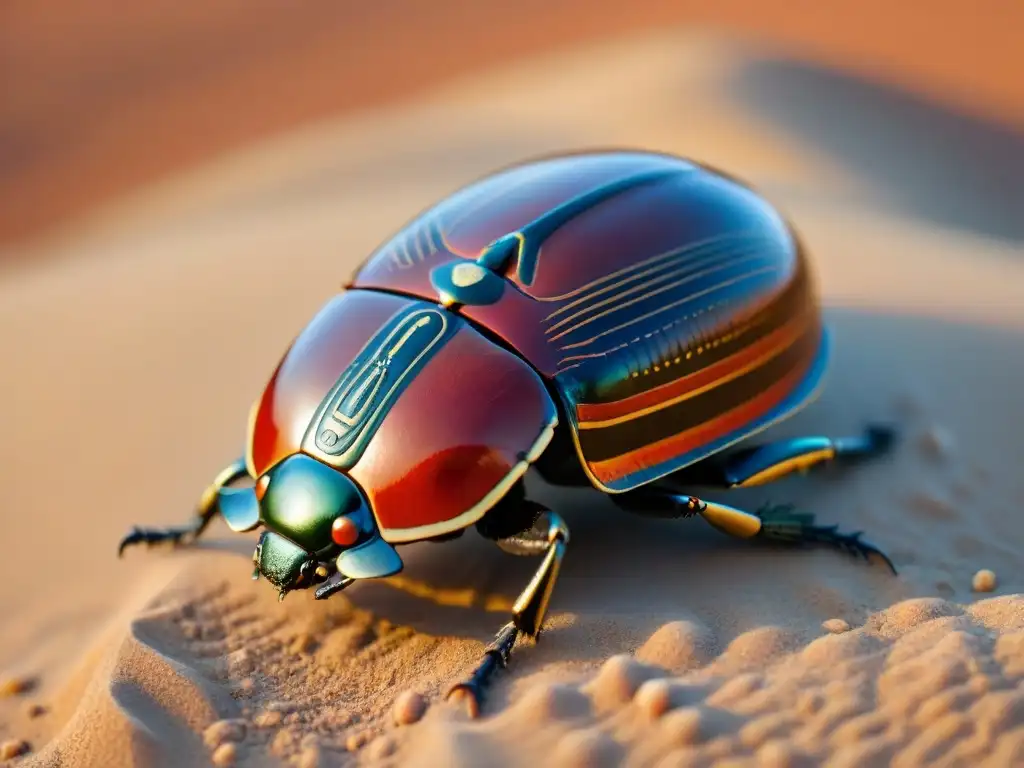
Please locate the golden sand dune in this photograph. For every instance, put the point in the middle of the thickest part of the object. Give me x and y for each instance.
(135, 347)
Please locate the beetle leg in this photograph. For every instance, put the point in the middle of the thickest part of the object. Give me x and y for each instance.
(204, 514)
(766, 463)
(776, 523)
(549, 536)
(782, 523)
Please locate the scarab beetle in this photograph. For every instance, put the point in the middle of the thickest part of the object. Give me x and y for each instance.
(615, 319)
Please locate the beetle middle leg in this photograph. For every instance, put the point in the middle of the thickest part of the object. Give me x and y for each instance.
(777, 523)
(547, 536)
(207, 509)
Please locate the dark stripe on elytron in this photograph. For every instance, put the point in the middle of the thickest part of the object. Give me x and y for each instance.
(348, 417)
(608, 442)
(524, 244)
(610, 377)
(692, 256)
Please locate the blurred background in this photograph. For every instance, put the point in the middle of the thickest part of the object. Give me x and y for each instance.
(102, 97)
(183, 184)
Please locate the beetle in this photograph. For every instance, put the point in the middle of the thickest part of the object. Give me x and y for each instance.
(615, 319)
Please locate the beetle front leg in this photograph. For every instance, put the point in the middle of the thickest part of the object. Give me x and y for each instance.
(548, 536)
(208, 507)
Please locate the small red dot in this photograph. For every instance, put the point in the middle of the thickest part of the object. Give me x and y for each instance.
(344, 532)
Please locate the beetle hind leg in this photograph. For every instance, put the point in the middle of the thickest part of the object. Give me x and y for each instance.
(189, 532)
(783, 524)
(548, 536)
(768, 462)
(780, 524)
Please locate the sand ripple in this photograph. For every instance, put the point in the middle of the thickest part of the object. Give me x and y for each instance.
(925, 682)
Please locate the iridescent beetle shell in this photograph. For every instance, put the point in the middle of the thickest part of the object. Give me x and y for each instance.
(623, 314)
(668, 307)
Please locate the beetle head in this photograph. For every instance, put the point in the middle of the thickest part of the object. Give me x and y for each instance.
(317, 521)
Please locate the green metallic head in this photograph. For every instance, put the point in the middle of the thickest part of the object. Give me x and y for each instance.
(318, 525)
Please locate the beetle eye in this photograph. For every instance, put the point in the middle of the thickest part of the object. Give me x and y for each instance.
(344, 531)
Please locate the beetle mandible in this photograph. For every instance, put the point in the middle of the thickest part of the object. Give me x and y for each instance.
(613, 319)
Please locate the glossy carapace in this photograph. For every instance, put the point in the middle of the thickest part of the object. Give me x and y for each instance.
(617, 319)
(669, 307)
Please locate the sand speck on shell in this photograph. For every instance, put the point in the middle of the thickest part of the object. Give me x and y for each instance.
(984, 581)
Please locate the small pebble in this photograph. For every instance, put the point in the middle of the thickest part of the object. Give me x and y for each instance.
(240, 662)
(356, 741)
(223, 731)
(653, 698)
(309, 741)
(13, 686)
(984, 581)
(35, 710)
(245, 687)
(836, 626)
(285, 741)
(334, 718)
(13, 748)
(225, 754)
(291, 718)
(309, 758)
(268, 719)
(409, 708)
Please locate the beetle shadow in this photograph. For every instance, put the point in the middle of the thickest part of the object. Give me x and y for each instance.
(926, 160)
(624, 575)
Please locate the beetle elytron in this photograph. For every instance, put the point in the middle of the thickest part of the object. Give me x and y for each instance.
(613, 319)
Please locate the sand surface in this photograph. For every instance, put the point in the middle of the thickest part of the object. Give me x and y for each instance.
(133, 350)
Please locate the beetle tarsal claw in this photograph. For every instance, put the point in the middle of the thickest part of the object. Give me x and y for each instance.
(470, 692)
(334, 584)
(783, 523)
(151, 536)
